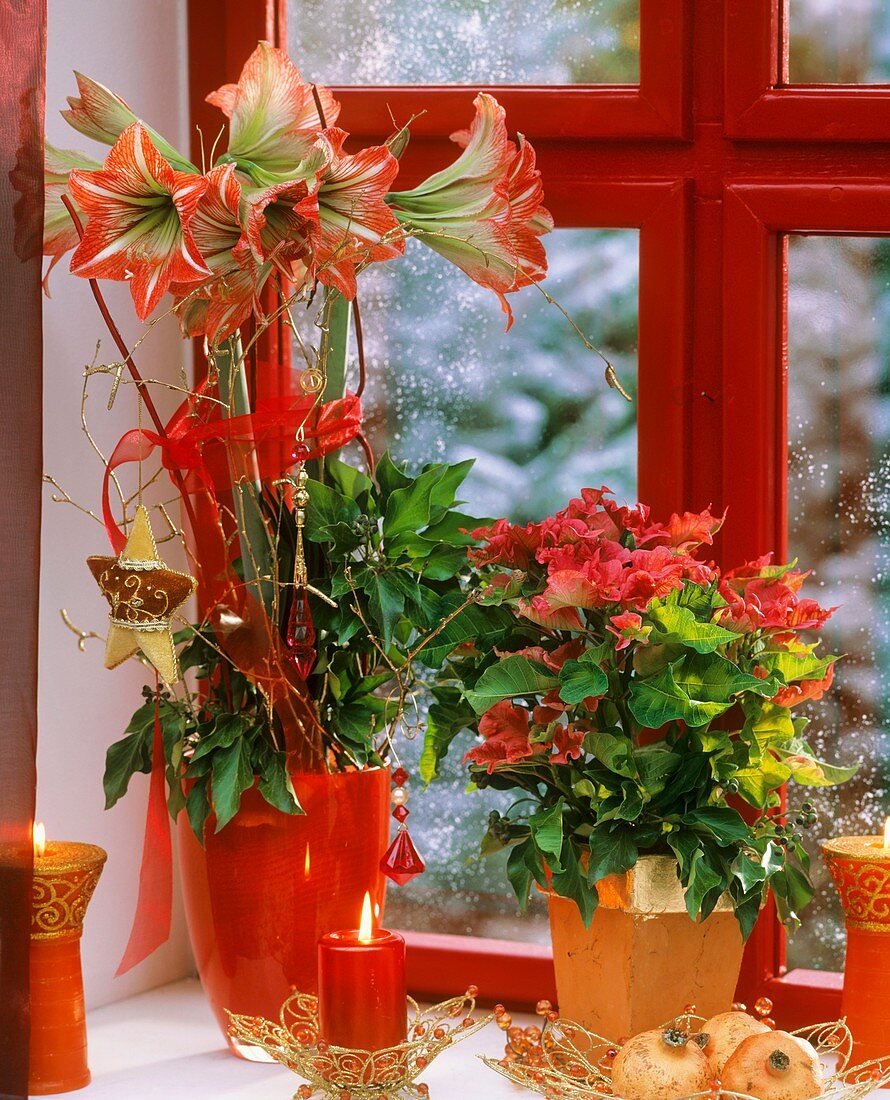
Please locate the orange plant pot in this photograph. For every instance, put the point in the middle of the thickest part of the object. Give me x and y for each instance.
(260, 893)
(860, 867)
(642, 960)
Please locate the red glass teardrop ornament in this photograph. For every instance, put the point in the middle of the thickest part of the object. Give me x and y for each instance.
(402, 860)
(299, 638)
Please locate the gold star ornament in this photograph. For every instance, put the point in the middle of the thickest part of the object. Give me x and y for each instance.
(143, 594)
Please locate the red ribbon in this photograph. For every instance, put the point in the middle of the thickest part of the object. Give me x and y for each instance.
(154, 908)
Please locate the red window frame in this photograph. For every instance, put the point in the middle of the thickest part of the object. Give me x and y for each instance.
(713, 156)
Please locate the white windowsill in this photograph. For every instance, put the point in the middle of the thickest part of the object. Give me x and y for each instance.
(165, 1045)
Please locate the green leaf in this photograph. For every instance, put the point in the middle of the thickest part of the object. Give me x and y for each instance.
(232, 775)
(445, 489)
(447, 717)
(226, 730)
(350, 481)
(582, 679)
(703, 880)
(546, 827)
(389, 477)
(795, 666)
(679, 624)
(444, 563)
(198, 808)
(684, 843)
(327, 508)
(571, 883)
(522, 870)
(750, 872)
(484, 626)
(616, 753)
(810, 772)
(726, 825)
(511, 677)
(694, 689)
(408, 510)
(655, 764)
(612, 852)
(276, 787)
(757, 782)
(386, 603)
(126, 757)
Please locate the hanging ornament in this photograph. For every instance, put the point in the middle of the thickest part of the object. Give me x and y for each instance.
(299, 635)
(143, 594)
(402, 861)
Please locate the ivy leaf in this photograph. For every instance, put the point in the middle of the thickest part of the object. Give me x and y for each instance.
(571, 883)
(386, 603)
(389, 477)
(612, 852)
(484, 626)
(726, 825)
(198, 808)
(276, 787)
(511, 677)
(750, 872)
(523, 868)
(684, 844)
(226, 730)
(126, 757)
(581, 680)
(703, 879)
(232, 775)
(546, 827)
(327, 508)
(447, 717)
(408, 509)
(350, 481)
(445, 488)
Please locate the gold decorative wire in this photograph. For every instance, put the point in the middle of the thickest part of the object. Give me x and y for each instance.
(575, 1063)
(358, 1074)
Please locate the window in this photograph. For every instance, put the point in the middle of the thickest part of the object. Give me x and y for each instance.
(734, 136)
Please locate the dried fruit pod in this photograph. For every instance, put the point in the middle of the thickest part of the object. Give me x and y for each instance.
(774, 1066)
(660, 1065)
(725, 1032)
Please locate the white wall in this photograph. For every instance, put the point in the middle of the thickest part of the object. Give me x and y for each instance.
(138, 48)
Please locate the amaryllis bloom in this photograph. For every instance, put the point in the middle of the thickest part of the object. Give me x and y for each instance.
(103, 116)
(505, 728)
(273, 116)
(139, 211)
(483, 212)
(357, 226)
(59, 234)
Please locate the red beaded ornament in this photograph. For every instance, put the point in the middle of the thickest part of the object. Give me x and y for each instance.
(401, 861)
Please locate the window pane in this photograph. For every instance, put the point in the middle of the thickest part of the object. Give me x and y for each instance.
(532, 408)
(839, 43)
(466, 41)
(839, 525)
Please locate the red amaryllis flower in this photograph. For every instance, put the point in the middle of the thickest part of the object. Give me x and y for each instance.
(505, 728)
(273, 116)
(139, 209)
(483, 212)
(357, 226)
(59, 234)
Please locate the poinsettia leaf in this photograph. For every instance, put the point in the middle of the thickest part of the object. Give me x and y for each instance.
(582, 679)
(654, 763)
(678, 624)
(616, 753)
(791, 666)
(511, 677)
(807, 770)
(757, 783)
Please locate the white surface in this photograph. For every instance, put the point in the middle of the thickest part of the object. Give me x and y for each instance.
(139, 50)
(165, 1044)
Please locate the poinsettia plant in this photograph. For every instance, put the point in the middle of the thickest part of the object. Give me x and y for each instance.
(640, 701)
(322, 585)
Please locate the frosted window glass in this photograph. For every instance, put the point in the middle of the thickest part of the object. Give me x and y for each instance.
(383, 42)
(533, 409)
(839, 42)
(839, 525)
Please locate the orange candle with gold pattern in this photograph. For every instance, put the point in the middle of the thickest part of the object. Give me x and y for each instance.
(65, 876)
(860, 867)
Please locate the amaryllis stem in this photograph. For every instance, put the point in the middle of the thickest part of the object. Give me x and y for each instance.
(139, 381)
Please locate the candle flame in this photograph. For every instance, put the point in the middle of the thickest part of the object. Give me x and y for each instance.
(40, 839)
(366, 926)
(307, 868)
(887, 833)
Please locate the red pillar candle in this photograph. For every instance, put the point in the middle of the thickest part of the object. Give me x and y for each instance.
(65, 876)
(860, 867)
(362, 993)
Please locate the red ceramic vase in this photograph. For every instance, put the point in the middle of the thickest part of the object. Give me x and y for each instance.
(261, 893)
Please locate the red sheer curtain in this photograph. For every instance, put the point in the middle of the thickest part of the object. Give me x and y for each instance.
(23, 52)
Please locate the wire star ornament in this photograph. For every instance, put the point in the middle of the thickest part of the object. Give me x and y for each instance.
(143, 595)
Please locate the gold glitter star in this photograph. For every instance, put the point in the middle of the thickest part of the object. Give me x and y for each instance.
(143, 594)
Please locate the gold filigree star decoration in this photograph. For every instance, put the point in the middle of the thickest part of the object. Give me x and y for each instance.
(143, 595)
